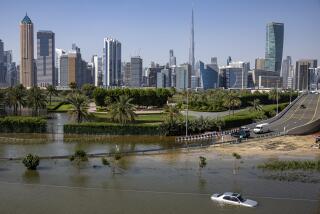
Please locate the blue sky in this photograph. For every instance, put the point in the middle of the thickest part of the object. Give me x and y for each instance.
(151, 27)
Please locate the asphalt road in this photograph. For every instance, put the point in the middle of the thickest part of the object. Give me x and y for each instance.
(297, 115)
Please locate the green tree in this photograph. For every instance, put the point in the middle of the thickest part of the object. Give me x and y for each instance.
(88, 89)
(37, 99)
(273, 95)
(219, 123)
(231, 100)
(31, 161)
(255, 105)
(172, 113)
(16, 98)
(122, 111)
(79, 103)
(73, 86)
(52, 91)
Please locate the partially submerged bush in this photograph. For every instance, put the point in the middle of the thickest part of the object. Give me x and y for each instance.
(31, 161)
(79, 155)
(105, 161)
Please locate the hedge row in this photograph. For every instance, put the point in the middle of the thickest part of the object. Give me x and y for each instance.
(142, 97)
(111, 128)
(23, 124)
(170, 129)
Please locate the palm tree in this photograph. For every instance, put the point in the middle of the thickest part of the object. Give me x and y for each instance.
(2, 102)
(173, 113)
(273, 95)
(231, 101)
(219, 123)
(16, 98)
(51, 91)
(73, 86)
(11, 100)
(37, 99)
(122, 110)
(255, 105)
(79, 103)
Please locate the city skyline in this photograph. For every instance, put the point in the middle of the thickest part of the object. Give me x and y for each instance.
(220, 43)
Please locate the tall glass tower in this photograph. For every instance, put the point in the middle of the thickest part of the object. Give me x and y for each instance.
(27, 63)
(191, 49)
(274, 46)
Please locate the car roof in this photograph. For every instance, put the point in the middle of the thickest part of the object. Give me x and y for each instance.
(262, 124)
(231, 194)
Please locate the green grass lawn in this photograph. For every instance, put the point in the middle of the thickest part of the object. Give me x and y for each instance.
(153, 118)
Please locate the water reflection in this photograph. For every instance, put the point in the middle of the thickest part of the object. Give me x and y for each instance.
(31, 176)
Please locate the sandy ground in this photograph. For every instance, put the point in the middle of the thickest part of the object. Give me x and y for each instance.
(279, 147)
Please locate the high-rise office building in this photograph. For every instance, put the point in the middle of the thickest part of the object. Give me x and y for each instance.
(172, 59)
(214, 60)
(274, 46)
(235, 75)
(63, 70)
(135, 72)
(229, 60)
(1, 51)
(303, 74)
(191, 48)
(164, 78)
(259, 64)
(183, 77)
(208, 76)
(285, 71)
(27, 63)
(46, 73)
(58, 54)
(2, 67)
(111, 62)
(97, 67)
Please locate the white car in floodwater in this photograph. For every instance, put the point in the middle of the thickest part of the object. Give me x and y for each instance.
(233, 198)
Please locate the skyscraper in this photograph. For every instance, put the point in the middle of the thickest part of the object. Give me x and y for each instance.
(259, 63)
(285, 71)
(191, 49)
(274, 46)
(27, 65)
(303, 77)
(135, 72)
(97, 66)
(46, 73)
(111, 62)
(58, 54)
(2, 69)
(172, 59)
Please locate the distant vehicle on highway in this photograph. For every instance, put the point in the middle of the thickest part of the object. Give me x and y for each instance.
(233, 198)
(302, 106)
(243, 132)
(261, 128)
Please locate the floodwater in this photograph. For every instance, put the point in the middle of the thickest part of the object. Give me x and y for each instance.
(56, 143)
(155, 184)
(148, 184)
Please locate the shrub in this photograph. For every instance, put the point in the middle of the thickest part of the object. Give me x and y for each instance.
(112, 128)
(31, 161)
(79, 156)
(105, 161)
(19, 124)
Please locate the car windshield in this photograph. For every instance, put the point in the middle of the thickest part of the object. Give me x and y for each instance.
(240, 198)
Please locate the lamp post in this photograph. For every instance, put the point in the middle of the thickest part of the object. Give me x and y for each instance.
(187, 109)
(277, 100)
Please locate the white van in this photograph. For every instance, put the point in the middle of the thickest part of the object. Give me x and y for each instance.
(261, 128)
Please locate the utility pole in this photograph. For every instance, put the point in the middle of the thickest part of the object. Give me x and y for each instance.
(277, 100)
(187, 113)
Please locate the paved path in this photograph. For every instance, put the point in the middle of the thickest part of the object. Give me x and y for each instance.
(210, 114)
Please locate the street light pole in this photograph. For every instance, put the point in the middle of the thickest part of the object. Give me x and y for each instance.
(277, 100)
(187, 112)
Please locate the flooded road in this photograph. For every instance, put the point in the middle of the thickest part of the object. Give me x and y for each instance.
(148, 184)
